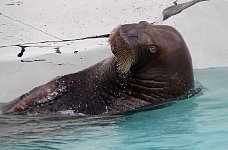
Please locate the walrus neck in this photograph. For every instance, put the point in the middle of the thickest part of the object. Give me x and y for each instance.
(113, 82)
(157, 89)
(145, 87)
(114, 75)
(131, 85)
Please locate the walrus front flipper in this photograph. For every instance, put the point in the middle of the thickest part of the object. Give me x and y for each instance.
(38, 95)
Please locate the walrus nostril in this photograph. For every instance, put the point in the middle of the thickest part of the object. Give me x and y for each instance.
(132, 33)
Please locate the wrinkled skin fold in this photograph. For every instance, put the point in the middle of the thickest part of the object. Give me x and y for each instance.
(151, 65)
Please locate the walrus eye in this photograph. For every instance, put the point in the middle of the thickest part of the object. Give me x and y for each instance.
(153, 49)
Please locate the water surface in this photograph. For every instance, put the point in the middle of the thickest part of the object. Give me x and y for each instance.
(200, 122)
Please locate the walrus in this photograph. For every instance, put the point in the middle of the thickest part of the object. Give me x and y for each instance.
(151, 65)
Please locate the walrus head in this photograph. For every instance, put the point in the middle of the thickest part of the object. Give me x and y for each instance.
(146, 49)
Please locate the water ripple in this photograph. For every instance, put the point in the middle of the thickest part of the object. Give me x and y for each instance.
(200, 122)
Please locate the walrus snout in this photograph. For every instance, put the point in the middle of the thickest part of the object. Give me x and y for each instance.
(127, 43)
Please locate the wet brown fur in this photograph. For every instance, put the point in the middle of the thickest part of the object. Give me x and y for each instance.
(151, 65)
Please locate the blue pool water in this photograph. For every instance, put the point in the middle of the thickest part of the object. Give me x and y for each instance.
(197, 123)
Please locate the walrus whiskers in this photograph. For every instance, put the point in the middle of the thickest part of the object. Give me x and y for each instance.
(125, 60)
(123, 52)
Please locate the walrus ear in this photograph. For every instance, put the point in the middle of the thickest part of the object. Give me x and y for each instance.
(153, 49)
